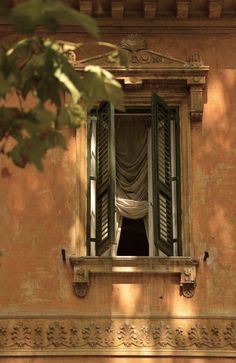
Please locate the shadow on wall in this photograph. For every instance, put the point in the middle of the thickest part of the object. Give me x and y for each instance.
(37, 221)
(214, 190)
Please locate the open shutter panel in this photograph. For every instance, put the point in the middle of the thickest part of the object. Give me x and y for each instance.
(105, 186)
(161, 164)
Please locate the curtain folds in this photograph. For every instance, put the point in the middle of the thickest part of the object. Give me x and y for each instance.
(131, 171)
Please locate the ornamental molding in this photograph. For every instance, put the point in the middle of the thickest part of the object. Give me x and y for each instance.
(58, 336)
(138, 55)
(148, 65)
(84, 267)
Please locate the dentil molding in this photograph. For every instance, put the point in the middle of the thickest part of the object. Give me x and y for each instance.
(154, 336)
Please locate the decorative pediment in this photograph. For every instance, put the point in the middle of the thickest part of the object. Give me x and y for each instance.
(146, 64)
(138, 55)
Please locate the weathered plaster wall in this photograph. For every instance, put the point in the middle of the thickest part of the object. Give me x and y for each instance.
(38, 218)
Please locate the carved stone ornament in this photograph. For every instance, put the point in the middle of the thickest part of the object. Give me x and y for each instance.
(81, 282)
(83, 267)
(86, 6)
(182, 9)
(153, 336)
(188, 282)
(149, 65)
(215, 8)
(117, 9)
(150, 9)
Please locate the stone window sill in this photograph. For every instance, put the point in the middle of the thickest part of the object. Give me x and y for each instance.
(84, 267)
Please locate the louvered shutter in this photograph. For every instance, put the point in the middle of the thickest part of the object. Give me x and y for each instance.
(161, 171)
(105, 184)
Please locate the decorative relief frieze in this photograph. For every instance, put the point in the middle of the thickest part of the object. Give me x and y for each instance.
(118, 336)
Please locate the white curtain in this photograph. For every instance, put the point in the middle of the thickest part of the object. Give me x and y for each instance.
(131, 171)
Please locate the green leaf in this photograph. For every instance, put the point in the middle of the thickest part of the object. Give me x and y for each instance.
(21, 53)
(31, 150)
(120, 56)
(64, 79)
(67, 15)
(42, 115)
(72, 116)
(100, 85)
(5, 7)
(27, 15)
(50, 14)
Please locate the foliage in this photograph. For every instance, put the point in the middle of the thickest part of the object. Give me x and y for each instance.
(38, 68)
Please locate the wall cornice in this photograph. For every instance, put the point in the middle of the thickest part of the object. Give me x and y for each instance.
(156, 26)
(154, 336)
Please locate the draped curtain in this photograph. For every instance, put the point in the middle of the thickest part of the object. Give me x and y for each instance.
(131, 171)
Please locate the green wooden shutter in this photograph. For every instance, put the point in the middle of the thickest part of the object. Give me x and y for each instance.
(161, 171)
(105, 185)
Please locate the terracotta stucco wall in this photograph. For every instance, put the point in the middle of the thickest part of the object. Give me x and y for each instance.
(38, 218)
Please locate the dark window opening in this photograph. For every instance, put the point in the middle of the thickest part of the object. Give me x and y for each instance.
(133, 238)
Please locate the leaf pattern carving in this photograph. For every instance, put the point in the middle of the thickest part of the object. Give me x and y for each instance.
(127, 335)
(17, 335)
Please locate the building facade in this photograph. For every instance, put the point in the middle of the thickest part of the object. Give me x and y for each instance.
(65, 298)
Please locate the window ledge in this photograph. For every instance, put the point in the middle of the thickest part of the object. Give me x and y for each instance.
(84, 267)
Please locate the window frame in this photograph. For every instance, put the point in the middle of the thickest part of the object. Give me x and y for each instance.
(153, 246)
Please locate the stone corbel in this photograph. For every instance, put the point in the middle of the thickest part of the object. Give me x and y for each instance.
(150, 8)
(84, 267)
(71, 57)
(81, 281)
(215, 8)
(117, 9)
(188, 282)
(197, 85)
(182, 9)
(86, 6)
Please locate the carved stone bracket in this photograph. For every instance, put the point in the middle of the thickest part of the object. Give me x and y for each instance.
(188, 282)
(83, 267)
(81, 282)
(215, 8)
(196, 97)
(150, 9)
(86, 6)
(182, 9)
(117, 9)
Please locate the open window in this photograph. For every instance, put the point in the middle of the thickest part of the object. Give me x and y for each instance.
(134, 181)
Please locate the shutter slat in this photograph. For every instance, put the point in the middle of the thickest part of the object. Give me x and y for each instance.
(162, 193)
(105, 216)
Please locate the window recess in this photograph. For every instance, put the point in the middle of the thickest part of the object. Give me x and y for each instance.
(134, 175)
(178, 82)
